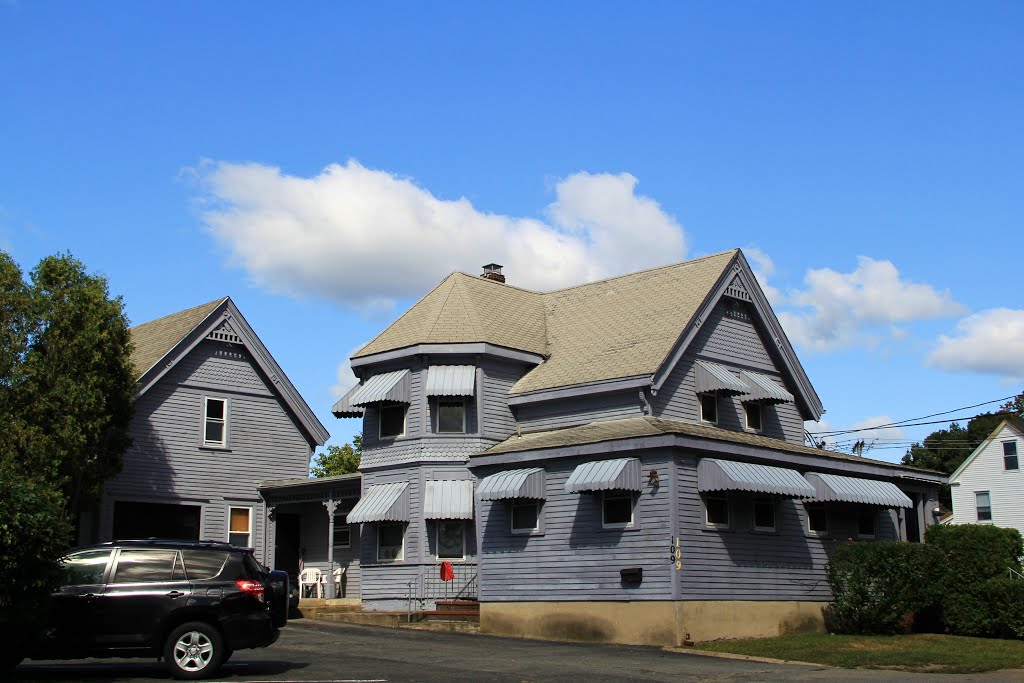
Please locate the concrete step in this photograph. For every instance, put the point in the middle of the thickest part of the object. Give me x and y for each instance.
(451, 616)
(392, 619)
(466, 606)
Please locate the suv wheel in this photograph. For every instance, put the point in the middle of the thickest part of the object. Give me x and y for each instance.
(194, 650)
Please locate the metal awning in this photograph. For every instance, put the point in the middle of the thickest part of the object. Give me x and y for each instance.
(344, 407)
(726, 475)
(448, 499)
(711, 377)
(382, 503)
(764, 388)
(451, 380)
(605, 475)
(390, 386)
(852, 490)
(528, 483)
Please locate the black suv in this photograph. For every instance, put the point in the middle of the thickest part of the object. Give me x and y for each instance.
(192, 603)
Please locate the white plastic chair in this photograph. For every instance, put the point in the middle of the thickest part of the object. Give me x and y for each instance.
(311, 578)
(339, 574)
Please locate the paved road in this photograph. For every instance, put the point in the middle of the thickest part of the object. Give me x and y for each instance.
(314, 651)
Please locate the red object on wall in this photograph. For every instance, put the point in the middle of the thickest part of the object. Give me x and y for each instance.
(447, 572)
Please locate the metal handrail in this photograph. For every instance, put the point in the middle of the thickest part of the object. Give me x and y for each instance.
(1014, 574)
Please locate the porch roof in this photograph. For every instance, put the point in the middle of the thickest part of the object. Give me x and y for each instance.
(382, 503)
(448, 499)
(622, 474)
(728, 475)
(832, 487)
(527, 483)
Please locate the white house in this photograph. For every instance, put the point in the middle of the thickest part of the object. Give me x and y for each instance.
(988, 488)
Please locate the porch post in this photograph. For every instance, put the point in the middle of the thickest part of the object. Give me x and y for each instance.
(331, 506)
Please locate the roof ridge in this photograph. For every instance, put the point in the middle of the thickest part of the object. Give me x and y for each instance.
(641, 272)
(186, 310)
(470, 306)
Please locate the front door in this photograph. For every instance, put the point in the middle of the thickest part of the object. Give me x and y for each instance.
(286, 543)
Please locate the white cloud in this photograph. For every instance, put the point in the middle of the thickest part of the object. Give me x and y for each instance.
(989, 342)
(764, 268)
(364, 237)
(346, 378)
(839, 307)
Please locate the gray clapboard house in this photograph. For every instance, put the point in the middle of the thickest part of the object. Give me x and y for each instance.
(623, 460)
(214, 416)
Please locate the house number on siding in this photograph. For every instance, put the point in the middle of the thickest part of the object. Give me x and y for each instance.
(677, 553)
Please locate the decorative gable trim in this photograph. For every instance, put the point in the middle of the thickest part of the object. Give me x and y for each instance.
(225, 333)
(737, 290)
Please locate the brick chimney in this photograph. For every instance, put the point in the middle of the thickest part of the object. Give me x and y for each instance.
(492, 271)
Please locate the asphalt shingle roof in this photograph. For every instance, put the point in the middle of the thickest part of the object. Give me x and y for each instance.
(153, 340)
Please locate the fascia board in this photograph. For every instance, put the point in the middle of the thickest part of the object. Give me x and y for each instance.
(188, 342)
(467, 349)
(578, 390)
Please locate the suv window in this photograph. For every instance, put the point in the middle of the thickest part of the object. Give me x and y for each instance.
(146, 565)
(85, 568)
(203, 564)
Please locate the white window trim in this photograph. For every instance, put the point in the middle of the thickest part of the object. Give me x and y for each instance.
(1016, 454)
(249, 531)
(401, 551)
(380, 421)
(977, 517)
(512, 504)
(807, 514)
(700, 404)
(448, 399)
(206, 404)
(606, 495)
(775, 514)
(747, 406)
(437, 540)
(349, 544)
(728, 512)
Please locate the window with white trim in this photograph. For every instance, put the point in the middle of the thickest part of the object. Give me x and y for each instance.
(817, 519)
(451, 416)
(215, 422)
(342, 531)
(764, 514)
(716, 510)
(392, 420)
(617, 510)
(390, 541)
(866, 522)
(524, 516)
(240, 527)
(451, 540)
(752, 411)
(983, 505)
(709, 408)
(1010, 461)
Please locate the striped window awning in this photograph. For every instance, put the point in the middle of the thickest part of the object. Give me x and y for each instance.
(382, 503)
(451, 380)
(726, 475)
(832, 487)
(764, 388)
(389, 386)
(344, 407)
(528, 483)
(605, 475)
(448, 499)
(711, 377)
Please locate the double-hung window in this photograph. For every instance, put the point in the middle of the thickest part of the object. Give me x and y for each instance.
(716, 510)
(524, 516)
(451, 540)
(1010, 455)
(752, 411)
(617, 510)
(240, 527)
(709, 408)
(866, 523)
(390, 541)
(451, 416)
(817, 519)
(983, 505)
(342, 531)
(215, 422)
(764, 514)
(392, 420)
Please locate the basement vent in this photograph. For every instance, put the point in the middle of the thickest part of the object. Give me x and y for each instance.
(224, 333)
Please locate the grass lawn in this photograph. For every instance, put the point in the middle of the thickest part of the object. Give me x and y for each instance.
(919, 652)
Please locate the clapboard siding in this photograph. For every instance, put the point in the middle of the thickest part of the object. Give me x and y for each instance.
(498, 422)
(987, 472)
(730, 336)
(574, 558)
(314, 535)
(168, 464)
(580, 410)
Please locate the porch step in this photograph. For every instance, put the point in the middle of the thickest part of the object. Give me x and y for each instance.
(317, 608)
(454, 611)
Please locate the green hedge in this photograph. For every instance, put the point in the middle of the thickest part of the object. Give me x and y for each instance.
(875, 585)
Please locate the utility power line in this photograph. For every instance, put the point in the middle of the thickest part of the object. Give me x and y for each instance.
(908, 422)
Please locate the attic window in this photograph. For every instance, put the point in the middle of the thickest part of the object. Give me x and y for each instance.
(1010, 455)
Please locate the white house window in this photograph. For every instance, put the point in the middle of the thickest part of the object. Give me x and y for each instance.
(240, 527)
(716, 509)
(451, 540)
(983, 504)
(525, 516)
(764, 514)
(866, 524)
(392, 420)
(451, 416)
(342, 531)
(753, 414)
(1010, 455)
(709, 408)
(817, 520)
(390, 542)
(215, 422)
(617, 511)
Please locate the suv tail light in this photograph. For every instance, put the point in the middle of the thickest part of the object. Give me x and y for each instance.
(253, 588)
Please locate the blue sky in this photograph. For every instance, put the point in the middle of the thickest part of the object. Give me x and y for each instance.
(326, 165)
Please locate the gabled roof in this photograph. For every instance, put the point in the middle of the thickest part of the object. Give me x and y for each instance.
(160, 344)
(1010, 422)
(633, 327)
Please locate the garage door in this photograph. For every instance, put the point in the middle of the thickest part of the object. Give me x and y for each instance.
(145, 520)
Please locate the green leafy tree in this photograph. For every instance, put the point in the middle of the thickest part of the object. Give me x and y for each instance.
(339, 459)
